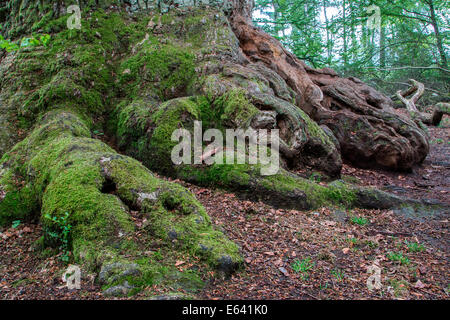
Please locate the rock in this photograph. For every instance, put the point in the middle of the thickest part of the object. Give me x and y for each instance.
(284, 271)
(119, 290)
(226, 265)
(112, 272)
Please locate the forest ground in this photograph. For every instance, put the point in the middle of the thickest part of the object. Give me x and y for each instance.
(290, 254)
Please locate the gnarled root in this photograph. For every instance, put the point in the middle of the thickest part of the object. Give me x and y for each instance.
(83, 185)
(416, 91)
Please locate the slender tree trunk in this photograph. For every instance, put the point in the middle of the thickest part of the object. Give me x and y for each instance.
(344, 21)
(325, 13)
(382, 47)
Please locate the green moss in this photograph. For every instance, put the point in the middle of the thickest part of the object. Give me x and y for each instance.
(225, 175)
(341, 193)
(236, 109)
(172, 115)
(314, 130)
(168, 67)
(247, 178)
(61, 89)
(59, 171)
(133, 121)
(69, 174)
(19, 203)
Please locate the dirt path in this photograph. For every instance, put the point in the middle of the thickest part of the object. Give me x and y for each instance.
(289, 254)
(429, 181)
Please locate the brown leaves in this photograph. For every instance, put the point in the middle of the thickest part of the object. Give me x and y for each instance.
(284, 271)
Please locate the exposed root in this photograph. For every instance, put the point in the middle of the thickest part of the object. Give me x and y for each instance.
(68, 172)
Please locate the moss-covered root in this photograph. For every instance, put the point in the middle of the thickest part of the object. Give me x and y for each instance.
(287, 190)
(145, 133)
(85, 187)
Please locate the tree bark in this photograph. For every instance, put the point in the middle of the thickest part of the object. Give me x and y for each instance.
(345, 105)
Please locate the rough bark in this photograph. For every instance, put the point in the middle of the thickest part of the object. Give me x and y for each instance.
(370, 133)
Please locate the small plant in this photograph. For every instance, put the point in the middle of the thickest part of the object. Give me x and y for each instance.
(303, 267)
(361, 221)
(45, 39)
(323, 287)
(414, 246)
(158, 255)
(15, 224)
(437, 141)
(398, 257)
(371, 244)
(399, 287)
(29, 42)
(338, 274)
(63, 235)
(8, 45)
(98, 133)
(316, 177)
(352, 241)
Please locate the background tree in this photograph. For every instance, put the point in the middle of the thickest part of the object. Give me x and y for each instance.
(413, 41)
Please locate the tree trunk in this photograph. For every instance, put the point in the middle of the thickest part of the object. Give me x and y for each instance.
(344, 24)
(141, 77)
(325, 13)
(438, 35)
(383, 47)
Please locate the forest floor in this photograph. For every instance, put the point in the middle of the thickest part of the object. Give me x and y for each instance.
(290, 254)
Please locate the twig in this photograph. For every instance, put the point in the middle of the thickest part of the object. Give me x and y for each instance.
(390, 233)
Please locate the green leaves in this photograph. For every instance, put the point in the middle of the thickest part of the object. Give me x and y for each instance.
(303, 267)
(361, 221)
(398, 257)
(63, 233)
(8, 45)
(45, 39)
(15, 224)
(336, 34)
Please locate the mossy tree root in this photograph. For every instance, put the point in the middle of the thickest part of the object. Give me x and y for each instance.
(60, 169)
